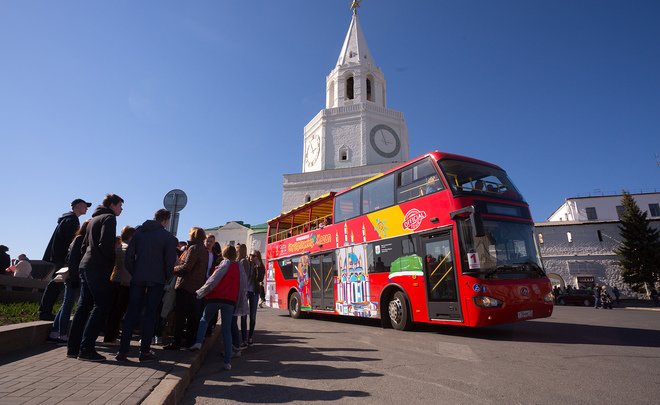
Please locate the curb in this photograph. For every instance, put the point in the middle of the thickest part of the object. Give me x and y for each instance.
(23, 335)
(171, 388)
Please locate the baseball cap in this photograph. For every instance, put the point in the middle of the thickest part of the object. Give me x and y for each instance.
(80, 200)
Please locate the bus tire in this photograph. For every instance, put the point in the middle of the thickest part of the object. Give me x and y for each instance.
(399, 313)
(294, 306)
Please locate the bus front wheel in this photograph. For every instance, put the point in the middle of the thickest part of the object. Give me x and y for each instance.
(294, 306)
(399, 312)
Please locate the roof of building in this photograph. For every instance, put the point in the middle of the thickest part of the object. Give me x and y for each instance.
(602, 195)
(573, 223)
(229, 222)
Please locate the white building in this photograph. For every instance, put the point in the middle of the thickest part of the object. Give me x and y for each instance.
(606, 208)
(234, 232)
(578, 240)
(355, 136)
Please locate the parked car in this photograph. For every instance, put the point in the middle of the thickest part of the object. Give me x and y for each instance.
(576, 297)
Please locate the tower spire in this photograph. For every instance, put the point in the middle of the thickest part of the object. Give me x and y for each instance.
(355, 5)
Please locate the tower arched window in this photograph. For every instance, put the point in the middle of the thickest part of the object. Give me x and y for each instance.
(349, 88)
(343, 154)
(370, 94)
(308, 198)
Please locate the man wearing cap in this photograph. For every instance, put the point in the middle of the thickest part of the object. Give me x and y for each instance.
(58, 246)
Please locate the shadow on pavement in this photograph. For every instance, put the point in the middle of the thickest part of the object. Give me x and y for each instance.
(553, 332)
(281, 356)
(528, 331)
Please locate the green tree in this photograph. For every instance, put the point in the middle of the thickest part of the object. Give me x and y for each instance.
(639, 252)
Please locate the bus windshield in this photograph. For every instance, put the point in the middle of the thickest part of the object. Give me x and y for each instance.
(507, 250)
(473, 178)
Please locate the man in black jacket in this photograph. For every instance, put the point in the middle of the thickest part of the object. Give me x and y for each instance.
(58, 246)
(150, 259)
(95, 286)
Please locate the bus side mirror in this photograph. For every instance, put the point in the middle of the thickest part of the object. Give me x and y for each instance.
(472, 213)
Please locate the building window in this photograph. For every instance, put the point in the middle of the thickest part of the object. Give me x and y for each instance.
(654, 210)
(370, 96)
(619, 211)
(308, 198)
(349, 88)
(600, 236)
(343, 154)
(569, 236)
(541, 238)
(591, 214)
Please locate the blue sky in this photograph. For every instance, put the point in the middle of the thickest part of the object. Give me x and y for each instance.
(211, 97)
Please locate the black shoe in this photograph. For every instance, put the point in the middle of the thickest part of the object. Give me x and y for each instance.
(148, 357)
(121, 357)
(172, 346)
(91, 356)
(72, 355)
(46, 317)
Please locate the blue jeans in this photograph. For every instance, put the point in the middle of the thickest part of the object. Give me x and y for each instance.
(61, 322)
(226, 316)
(52, 291)
(93, 309)
(151, 296)
(253, 301)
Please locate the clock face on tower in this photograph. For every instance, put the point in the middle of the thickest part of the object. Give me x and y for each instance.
(385, 141)
(312, 150)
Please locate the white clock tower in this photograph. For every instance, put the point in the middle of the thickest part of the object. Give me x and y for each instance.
(355, 136)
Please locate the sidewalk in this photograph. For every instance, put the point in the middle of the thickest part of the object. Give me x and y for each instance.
(44, 375)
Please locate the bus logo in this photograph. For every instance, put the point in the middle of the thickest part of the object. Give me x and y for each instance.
(413, 219)
(524, 291)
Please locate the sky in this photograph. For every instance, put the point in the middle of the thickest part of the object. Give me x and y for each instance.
(211, 97)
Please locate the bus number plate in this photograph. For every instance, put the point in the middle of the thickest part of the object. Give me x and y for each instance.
(525, 314)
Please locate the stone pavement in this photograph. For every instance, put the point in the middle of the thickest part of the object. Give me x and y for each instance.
(44, 375)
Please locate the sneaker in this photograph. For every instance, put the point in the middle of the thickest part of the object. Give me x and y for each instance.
(72, 355)
(121, 357)
(148, 357)
(195, 347)
(91, 356)
(226, 366)
(250, 342)
(172, 346)
(243, 345)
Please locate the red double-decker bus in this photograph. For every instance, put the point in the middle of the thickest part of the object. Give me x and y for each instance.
(441, 239)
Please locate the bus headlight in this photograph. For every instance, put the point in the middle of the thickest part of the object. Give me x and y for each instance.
(486, 302)
(549, 297)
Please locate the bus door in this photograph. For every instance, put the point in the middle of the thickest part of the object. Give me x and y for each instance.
(322, 280)
(440, 274)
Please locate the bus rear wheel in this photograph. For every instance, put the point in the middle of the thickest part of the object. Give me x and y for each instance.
(399, 312)
(294, 306)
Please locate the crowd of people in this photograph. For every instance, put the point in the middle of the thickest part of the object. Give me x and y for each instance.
(146, 278)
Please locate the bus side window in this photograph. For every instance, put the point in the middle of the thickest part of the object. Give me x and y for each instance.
(286, 267)
(418, 180)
